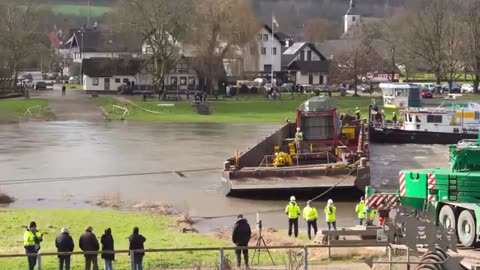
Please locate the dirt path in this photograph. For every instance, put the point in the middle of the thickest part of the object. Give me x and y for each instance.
(75, 105)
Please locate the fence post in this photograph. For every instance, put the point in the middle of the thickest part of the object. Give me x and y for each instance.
(132, 262)
(222, 259)
(390, 258)
(328, 243)
(305, 257)
(39, 261)
(408, 258)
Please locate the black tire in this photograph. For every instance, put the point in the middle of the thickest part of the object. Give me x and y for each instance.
(446, 217)
(466, 228)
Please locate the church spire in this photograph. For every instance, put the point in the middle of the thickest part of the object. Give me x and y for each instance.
(351, 10)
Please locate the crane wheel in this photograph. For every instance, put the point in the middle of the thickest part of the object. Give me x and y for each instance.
(429, 265)
(466, 228)
(446, 217)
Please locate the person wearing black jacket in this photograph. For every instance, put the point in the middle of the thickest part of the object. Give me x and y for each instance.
(88, 242)
(64, 243)
(108, 245)
(136, 243)
(240, 237)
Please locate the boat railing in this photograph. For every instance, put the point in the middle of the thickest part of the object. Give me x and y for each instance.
(329, 155)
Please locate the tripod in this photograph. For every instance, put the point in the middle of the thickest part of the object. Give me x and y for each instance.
(260, 242)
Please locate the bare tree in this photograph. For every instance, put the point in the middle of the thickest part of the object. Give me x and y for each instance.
(435, 38)
(319, 29)
(220, 27)
(161, 24)
(471, 38)
(18, 33)
(355, 61)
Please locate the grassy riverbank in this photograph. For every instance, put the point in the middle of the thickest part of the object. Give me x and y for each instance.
(18, 107)
(160, 231)
(247, 109)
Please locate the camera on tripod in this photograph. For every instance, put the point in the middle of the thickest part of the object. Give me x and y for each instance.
(259, 224)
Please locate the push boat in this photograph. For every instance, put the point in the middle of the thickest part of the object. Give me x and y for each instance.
(444, 124)
(332, 156)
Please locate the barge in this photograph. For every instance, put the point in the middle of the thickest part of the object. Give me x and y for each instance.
(332, 156)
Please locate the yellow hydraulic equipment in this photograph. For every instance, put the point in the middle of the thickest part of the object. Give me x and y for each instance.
(291, 148)
(282, 159)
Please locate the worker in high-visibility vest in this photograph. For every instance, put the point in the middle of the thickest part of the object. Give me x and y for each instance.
(360, 210)
(330, 215)
(371, 216)
(293, 211)
(358, 115)
(31, 242)
(310, 214)
(298, 140)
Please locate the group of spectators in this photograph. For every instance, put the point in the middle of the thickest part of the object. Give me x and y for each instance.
(88, 243)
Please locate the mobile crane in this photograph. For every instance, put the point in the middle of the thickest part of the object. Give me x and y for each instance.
(452, 193)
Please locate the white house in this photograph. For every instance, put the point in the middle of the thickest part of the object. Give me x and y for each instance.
(92, 43)
(351, 17)
(107, 74)
(307, 63)
(264, 54)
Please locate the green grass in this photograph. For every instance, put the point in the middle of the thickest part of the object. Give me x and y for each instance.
(79, 10)
(73, 86)
(425, 76)
(249, 109)
(18, 107)
(160, 232)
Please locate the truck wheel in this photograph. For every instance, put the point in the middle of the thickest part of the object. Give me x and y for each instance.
(466, 229)
(446, 217)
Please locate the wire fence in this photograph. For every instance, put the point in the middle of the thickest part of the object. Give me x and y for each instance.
(200, 258)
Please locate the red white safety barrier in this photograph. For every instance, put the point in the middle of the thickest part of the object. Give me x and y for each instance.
(403, 187)
(382, 201)
(431, 185)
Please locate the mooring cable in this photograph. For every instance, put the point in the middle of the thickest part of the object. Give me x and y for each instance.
(9, 182)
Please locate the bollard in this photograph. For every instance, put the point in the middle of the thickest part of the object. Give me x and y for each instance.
(132, 262)
(390, 258)
(305, 257)
(39, 261)
(222, 259)
(408, 258)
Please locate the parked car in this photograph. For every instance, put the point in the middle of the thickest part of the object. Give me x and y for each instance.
(426, 93)
(286, 87)
(467, 88)
(455, 88)
(41, 86)
(364, 88)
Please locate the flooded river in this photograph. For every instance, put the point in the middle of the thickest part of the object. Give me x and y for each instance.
(35, 150)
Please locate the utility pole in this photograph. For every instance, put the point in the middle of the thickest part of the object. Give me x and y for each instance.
(88, 17)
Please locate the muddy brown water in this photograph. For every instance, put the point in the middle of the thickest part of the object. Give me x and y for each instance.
(71, 149)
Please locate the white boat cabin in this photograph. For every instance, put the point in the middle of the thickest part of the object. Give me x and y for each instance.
(400, 95)
(456, 119)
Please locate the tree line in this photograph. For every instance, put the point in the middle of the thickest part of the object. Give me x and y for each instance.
(437, 36)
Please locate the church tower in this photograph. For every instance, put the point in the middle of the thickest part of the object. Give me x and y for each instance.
(351, 17)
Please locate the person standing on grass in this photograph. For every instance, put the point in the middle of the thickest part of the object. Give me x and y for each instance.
(240, 237)
(310, 215)
(293, 211)
(136, 243)
(31, 242)
(330, 215)
(89, 243)
(64, 243)
(108, 245)
(64, 90)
